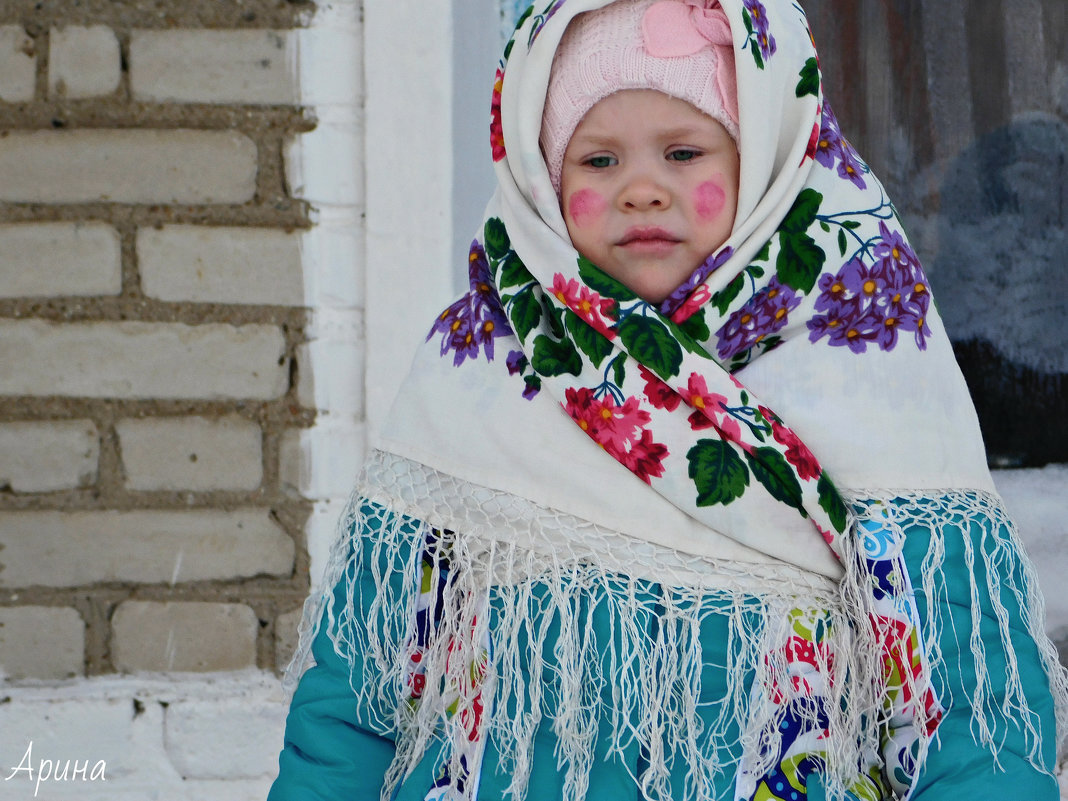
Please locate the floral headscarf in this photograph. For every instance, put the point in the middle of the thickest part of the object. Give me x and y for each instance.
(772, 425)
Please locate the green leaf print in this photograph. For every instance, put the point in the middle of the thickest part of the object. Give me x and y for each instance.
(497, 242)
(723, 299)
(555, 358)
(773, 471)
(831, 502)
(555, 316)
(589, 341)
(525, 314)
(601, 283)
(803, 213)
(810, 79)
(650, 342)
(512, 271)
(695, 327)
(717, 471)
(800, 261)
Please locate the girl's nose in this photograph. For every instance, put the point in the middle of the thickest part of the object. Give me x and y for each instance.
(642, 192)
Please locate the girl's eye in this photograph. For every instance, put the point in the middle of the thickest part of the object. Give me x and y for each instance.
(682, 155)
(600, 162)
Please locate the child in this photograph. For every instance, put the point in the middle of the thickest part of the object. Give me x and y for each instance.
(685, 498)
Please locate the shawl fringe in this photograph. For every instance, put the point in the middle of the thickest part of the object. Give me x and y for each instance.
(540, 663)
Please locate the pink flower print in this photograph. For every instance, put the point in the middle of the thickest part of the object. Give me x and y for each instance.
(813, 142)
(797, 452)
(587, 304)
(710, 409)
(659, 394)
(619, 429)
(692, 304)
(644, 457)
(496, 129)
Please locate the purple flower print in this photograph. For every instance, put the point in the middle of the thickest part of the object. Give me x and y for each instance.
(517, 360)
(476, 319)
(766, 313)
(834, 151)
(865, 303)
(758, 16)
(672, 302)
(542, 18)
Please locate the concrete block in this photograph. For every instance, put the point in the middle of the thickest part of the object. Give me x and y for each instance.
(75, 549)
(191, 453)
(286, 636)
(142, 360)
(18, 64)
(83, 61)
(214, 66)
(41, 642)
(183, 636)
(127, 166)
(226, 738)
(48, 456)
(59, 259)
(221, 265)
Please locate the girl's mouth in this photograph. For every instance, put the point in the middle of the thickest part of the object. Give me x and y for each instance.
(648, 239)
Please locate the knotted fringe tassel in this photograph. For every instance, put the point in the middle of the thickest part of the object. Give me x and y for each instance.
(940, 550)
(542, 619)
(487, 617)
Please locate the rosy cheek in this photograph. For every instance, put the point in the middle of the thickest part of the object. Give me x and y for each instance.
(585, 206)
(709, 200)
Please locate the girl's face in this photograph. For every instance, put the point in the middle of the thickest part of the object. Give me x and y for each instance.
(649, 189)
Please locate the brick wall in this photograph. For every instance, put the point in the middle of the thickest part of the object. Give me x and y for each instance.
(154, 335)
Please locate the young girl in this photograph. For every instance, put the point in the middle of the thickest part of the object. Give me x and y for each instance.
(685, 498)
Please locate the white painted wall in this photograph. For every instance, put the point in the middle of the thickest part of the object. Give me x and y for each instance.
(326, 167)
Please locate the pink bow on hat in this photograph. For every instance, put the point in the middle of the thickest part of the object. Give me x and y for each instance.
(676, 28)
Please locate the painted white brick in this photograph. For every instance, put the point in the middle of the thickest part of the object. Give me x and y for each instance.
(326, 165)
(141, 360)
(84, 726)
(324, 461)
(332, 256)
(41, 642)
(48, 456)
(221, 265)
(214, 66)
(127, 166)
(72, 549)
(59, 259)
(18, 64)
(191, 453)
(183, 636)
(130, 721)
(83, 61)
(330, 367)
(227, 738)
(330, 56)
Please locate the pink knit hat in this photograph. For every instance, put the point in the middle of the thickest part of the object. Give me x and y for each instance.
(682, 48)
